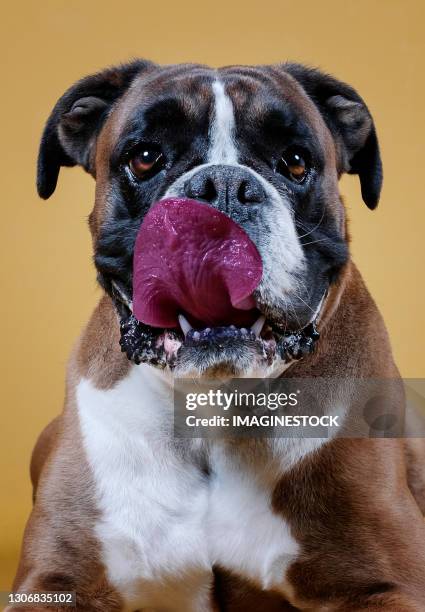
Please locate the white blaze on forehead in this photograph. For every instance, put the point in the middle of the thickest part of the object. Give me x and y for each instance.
(279, 245)
(222, 149)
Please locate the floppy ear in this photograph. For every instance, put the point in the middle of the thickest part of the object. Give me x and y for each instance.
(70, 134)
(352, 127)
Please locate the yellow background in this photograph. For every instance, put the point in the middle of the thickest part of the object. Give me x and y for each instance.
(47, 280)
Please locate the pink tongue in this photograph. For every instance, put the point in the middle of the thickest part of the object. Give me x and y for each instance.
(191, 259)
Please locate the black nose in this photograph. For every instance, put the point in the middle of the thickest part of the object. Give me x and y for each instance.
(225, 186)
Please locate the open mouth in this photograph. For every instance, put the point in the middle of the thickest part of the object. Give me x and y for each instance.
(167, 347)
(195, 273)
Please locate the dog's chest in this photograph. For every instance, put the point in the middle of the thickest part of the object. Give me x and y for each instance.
(163, 523)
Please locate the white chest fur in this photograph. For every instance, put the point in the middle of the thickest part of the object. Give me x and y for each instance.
(163, 522)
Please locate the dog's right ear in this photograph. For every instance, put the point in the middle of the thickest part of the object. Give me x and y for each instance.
(69, 137)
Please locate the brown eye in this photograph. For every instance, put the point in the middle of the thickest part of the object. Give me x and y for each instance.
(146, 162)
(293, 165)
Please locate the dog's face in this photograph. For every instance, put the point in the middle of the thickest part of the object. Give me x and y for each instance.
(264, 145)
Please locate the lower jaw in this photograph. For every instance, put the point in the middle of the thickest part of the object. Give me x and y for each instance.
(230, 348)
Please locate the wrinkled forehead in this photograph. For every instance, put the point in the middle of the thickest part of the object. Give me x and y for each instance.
(189, 95)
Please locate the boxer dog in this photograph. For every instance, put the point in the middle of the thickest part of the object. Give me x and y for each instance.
(125, 514)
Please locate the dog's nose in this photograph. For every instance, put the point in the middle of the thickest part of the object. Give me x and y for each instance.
(225, 186)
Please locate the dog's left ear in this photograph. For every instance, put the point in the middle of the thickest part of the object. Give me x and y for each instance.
(351, 125)
(70, 134)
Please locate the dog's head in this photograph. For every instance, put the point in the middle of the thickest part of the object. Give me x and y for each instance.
(264, 145)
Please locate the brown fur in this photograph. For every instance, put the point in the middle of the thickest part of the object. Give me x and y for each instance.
(97, 355)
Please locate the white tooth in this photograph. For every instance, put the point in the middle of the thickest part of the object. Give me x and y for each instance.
(184, 324)
(258, 325)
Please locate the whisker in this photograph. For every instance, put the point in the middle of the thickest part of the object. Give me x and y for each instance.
(302, 283)
(286, 308)
(295, 314)
(308, 305)
(314, 241)
(316, 226)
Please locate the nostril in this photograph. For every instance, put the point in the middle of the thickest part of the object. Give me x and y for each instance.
(201, 188)
(249, 192)
(210, 192)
